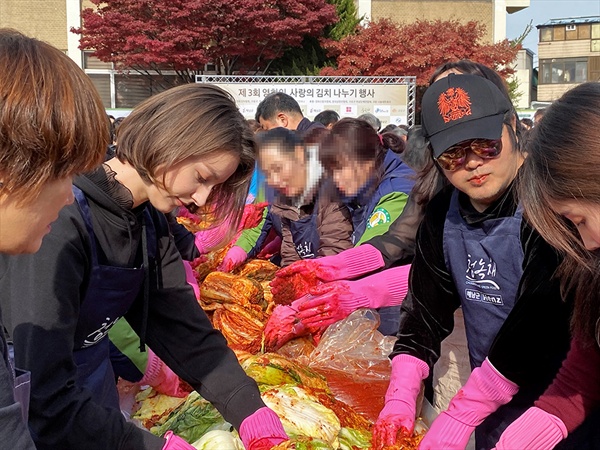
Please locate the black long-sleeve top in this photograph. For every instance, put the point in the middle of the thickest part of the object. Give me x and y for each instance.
(42, 295)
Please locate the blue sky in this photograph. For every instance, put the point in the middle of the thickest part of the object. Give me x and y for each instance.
(541, 11)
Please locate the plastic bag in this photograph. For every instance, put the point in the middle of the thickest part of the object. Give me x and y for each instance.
(353, 356)
(355, 347)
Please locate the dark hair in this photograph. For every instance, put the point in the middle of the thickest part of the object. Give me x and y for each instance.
(556, 170)
(388, 128)
(316, 136)
(468, 67)
(527, 122)
(357, 140)
(327, 117)
(275, 103)
(186, 121)
(286, 140)
(371, 120)
(254, 125)
(52, 121)
(539, 113)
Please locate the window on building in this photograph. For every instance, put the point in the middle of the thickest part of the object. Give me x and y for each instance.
(595, 42)
(565, 70)
(132, 89)
(594, 68)
(546, 34)
(92, 62)
(102, 83)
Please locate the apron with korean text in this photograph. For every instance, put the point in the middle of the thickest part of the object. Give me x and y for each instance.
(486, 263)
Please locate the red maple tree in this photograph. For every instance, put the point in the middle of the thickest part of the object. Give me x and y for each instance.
(184, 35)
(384, 48)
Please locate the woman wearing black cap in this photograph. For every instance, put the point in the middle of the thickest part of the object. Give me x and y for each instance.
(474, 250)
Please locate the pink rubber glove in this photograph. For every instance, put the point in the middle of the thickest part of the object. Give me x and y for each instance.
(233, 259)
(162, 379)
(400, 400)
(209, 239)
(262, 430)
(335, 301)
(190, 277)
(346, 265)
(282, 326)
(534, 430)
(483, 393)
(175, 442)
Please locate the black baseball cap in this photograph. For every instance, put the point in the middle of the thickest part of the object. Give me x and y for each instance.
(462, 107)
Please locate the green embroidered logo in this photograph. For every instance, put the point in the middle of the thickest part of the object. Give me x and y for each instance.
(379, 216)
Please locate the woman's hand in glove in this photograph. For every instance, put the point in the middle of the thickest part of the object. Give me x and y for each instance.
(175, 443)
(163, 379)
(262, 430)
(327, 304)
(282, 326)
(331, 302)
(534, 430)
(483, 393)
(234, 258)
(400, 400)
(297, 279)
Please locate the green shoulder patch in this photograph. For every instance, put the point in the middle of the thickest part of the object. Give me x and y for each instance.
(378, 217)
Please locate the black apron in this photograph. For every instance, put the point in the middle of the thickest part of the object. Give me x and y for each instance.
(21, 379)
(110, 293)
(305, 235)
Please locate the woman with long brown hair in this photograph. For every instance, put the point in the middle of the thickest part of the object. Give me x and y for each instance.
(559, 188)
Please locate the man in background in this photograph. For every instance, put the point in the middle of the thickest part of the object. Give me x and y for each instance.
(282, 110)
(328, 118)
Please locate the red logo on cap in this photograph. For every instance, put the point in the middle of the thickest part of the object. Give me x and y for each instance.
(454, 104)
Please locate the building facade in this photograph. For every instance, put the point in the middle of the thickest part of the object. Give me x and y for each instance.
(526, 91)
(568, 54)
(492, 13)
(52, 20)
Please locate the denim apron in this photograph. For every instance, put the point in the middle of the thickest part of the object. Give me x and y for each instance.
(486, 263)
(110, 293)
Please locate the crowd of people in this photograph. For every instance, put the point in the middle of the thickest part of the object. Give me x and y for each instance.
(473, 215)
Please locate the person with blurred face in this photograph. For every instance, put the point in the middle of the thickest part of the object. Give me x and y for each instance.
(474, 250)
(374, 184)
(560, 194)
(305, 215)
(52, 127)
(110, 254)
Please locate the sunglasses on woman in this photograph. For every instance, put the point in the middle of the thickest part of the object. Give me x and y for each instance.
(455, 156)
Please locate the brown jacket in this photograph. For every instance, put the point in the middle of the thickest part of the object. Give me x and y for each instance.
(332, 221)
